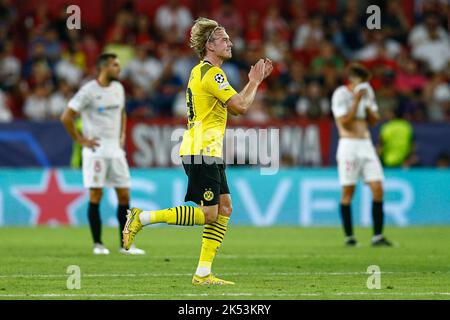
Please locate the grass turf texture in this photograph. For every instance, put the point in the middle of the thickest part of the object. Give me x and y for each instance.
(266, 263)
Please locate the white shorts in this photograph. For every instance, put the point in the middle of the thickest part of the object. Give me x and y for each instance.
(355, 158)
(99, 172)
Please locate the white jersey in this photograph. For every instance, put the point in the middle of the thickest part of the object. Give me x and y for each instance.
(342, 99)
(101, 113)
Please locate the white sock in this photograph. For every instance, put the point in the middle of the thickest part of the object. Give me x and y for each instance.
(144, 216)
(203, 271)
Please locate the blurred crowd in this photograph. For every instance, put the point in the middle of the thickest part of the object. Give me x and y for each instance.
(409, 57)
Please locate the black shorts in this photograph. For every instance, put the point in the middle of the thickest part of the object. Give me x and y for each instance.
(206, 179)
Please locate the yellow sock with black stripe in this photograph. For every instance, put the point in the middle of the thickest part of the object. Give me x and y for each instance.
(212, 239)
(181, 215)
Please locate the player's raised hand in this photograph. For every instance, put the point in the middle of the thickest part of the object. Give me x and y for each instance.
(268, 67)
(88, 143)
(361, 93)
(257, 71)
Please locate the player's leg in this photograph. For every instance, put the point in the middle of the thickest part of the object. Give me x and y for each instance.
(123, 199)
(95, 223)
(94, 171)
(348, 170)
(213, 235)
(373, 176)
(208, 248)
(377, 206)
(378, 214)
(180, 215)
(346, 214)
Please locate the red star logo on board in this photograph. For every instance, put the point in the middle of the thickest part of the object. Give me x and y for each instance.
(51, 201)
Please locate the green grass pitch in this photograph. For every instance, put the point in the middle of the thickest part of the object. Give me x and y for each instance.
(266, 263)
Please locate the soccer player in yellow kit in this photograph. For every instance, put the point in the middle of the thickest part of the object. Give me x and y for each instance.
(209, 97)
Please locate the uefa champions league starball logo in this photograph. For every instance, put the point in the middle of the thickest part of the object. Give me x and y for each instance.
(219, 78)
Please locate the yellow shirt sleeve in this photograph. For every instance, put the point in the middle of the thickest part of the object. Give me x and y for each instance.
(216, 83)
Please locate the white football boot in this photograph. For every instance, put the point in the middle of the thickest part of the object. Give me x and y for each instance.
(133, 250)
(100, 249)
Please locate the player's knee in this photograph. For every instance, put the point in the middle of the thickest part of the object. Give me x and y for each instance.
(226, 210)
(210, 213)
(123, 198)
(95, 195)
(346, 201)
(346, 198)
(378, 193)
(347, 194)
(210, 217)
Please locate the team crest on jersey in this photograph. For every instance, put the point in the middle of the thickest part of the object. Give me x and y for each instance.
(208, 195)
(219, 78)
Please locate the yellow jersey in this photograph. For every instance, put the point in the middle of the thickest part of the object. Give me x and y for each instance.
(207, 92)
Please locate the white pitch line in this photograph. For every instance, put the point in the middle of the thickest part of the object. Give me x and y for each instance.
(242, 294)
(95, 275)
(268, 256)
(134, 275)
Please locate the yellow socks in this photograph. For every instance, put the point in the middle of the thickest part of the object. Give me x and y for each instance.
(188, 216)
(212, 239)
(181, 215)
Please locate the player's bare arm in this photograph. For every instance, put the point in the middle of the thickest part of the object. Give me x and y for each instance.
(348, 119)
(67, 118)
(239, 103)
(372, 116)
(123, 129)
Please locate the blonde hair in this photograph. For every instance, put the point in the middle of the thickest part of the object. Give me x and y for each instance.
(201, 33)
